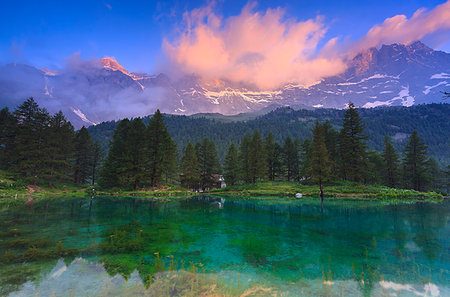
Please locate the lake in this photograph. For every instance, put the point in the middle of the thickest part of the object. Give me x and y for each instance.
(220, 246)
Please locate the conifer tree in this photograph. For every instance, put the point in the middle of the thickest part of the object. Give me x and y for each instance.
(190, 175)
(331, 141)
(273, 151)
(414, 163)
(257, 157)
(169, 162)
(82, 155)
(320, 166)
(7, 135)
(111, 170)
(290, 159)
(391, 164)
(31, 135)
(132, 168)
(208, 162)
(159, 150)
(305, 158)
(97, 157)
(59, 152)
(232, 165)
(352, 147)
(244, 156)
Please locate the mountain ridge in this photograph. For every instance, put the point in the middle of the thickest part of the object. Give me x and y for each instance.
(392, 75)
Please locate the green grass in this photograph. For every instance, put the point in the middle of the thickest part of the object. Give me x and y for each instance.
(341, 189)
(10, 187)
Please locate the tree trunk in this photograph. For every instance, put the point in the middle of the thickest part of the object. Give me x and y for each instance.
(321, 193)
(136, 184)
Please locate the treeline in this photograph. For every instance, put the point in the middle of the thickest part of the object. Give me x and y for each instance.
(430, 121)
(334, 155)
(41, 147)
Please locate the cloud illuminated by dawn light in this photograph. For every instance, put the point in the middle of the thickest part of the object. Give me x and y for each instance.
(267, 49)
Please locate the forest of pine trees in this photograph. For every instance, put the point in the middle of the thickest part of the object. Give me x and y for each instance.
(40, 147)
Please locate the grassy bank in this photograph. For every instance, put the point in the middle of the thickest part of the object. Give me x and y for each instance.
(347, 190)
(22, 189)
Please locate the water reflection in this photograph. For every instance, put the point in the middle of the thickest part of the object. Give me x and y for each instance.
(359, 247)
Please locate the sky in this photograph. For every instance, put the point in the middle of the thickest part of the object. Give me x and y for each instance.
(230, 39)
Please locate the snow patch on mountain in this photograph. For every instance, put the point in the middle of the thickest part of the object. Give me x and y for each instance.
(82, 116)
(442, 75)
(428, 88)
(406, 99)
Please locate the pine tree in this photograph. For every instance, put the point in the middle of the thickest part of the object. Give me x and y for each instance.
(97, 157)
(273, 151)
(110, 171)
(7, 137)
(257, 157)
(208, 162)
(375, 168)
(159, 149)
(290, 159)
(414, 163)
(169, 162)
(132, 168)
(59, 151)
(244, 156)
(190, 175)
(320, 166)
(305, 158)
(352, 147)
(232, 165)
(391, 164)
(31, 136)
(331, 141)
(83, 156)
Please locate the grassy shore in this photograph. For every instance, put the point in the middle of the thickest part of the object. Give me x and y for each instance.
(11, 188)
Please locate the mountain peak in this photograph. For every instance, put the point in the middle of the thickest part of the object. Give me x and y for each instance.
(111, 63)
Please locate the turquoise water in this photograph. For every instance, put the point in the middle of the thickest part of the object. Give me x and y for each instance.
(126, 246)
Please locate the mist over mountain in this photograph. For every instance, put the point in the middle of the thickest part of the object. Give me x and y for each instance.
(89, 92)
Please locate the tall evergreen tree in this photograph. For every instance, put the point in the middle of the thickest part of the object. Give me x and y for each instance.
(257, 157)
(331, 141)
(132, 168)
(31, 135)
(244, 156)
(320, 166)
(83, 156)
(208, 162)
(59, 152)
(352, 146)
(97, 157)
(305, 158)
(190, 175)
(7, 135)
(391, 164)
(169, 162)
(158, 139)
(290, 159)
(415, 163)
(375, 168)
(273, 152)
(110, 170)
(232, 165)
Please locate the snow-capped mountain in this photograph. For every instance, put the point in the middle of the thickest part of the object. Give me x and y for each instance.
(102, 90)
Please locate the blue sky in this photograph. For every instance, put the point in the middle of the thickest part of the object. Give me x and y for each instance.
(46, 33)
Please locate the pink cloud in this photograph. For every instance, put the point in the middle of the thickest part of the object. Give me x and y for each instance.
(262, 49)
(267, 50)
(400, 29)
